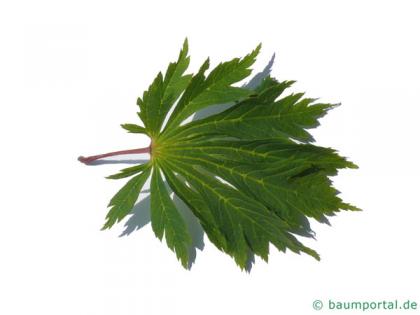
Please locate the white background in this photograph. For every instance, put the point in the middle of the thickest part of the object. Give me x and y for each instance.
(70, 73)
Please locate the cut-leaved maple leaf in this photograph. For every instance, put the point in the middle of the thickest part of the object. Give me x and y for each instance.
(249, 174)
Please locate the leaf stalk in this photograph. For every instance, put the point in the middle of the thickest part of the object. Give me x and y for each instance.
(89, 159)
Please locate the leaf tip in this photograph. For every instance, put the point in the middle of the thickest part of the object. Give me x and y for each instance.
(351, 165)
(332, 106)
(185, 45)
(106, 226)
(312, 253)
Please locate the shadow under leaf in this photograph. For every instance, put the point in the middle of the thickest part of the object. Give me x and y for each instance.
(113, 161)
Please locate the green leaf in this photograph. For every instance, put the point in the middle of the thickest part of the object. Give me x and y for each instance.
(198, 207)
(129, 171)
(267, 172)
(215, 89)
(123, 202)
(164, 90)
(261, 117)
(133, 128)
(249, 174)
(244, 221)
(167, 220)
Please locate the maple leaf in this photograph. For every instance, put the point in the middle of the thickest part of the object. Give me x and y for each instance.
(250, 174)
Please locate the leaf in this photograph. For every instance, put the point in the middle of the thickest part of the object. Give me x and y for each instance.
(158, 99)
(129, 171)
(167, 220)
(124, 200)
(261, 117)
(249, 173)
(243, 220)
(215, 89)
(266, 171)
(133, 128)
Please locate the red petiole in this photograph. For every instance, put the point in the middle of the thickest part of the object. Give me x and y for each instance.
(89, 159)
